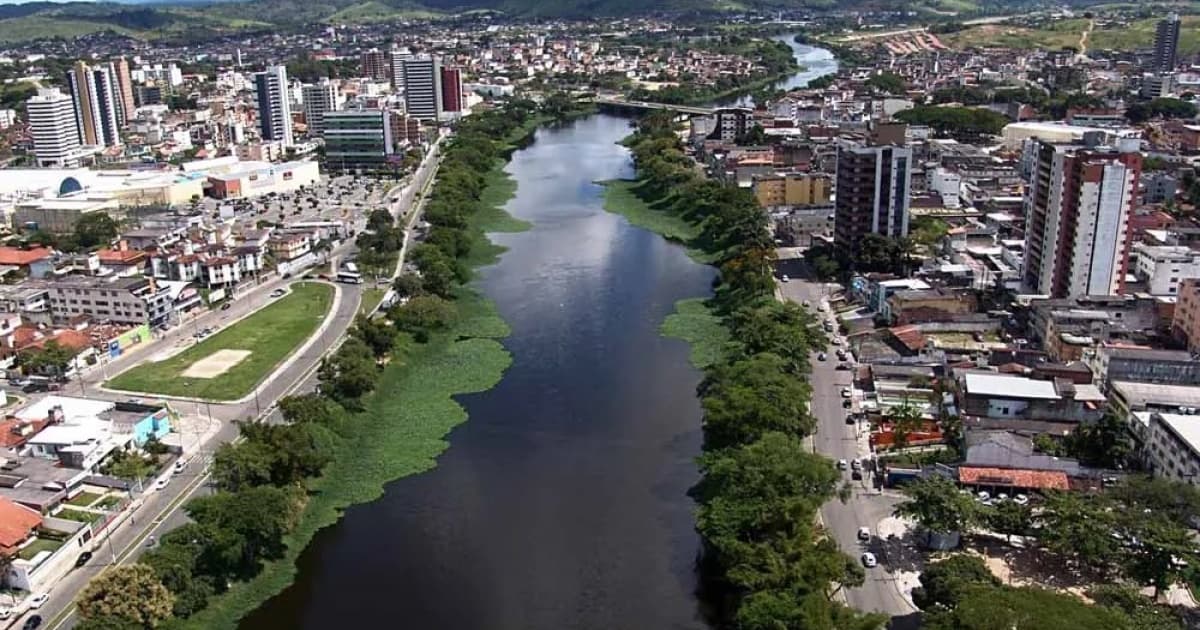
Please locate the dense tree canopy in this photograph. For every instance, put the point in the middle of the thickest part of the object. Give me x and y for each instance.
(129, 592)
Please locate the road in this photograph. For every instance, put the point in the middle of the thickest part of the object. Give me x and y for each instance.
(159, 512)
(838, 440)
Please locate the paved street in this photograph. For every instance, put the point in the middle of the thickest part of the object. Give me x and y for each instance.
(159, 512)
(839, 440)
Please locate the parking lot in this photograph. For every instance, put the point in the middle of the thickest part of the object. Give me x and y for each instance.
(341, 198)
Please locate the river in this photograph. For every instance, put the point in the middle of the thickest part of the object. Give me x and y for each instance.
(562, 502)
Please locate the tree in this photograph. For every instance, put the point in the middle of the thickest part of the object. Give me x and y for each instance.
(422, 315)
(408, 285)
(349, 374)
(905, 419)
(108, 622)
(1103, 444)
(53, 358)
(944, 582)
(94, 229)
(1161, 554)
(1009, 518)
(377, 334)
(750, 397)
(886, 82)
(1004, 608)
(1079, 527)
(242, 465)
(312, 408)
(937, 506)
(1176, 500)
(784, 329)
(258, 519)
(175, 565)
(131, 592)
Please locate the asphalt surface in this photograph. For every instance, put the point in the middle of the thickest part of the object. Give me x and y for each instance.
(159, 510)
(839, 440)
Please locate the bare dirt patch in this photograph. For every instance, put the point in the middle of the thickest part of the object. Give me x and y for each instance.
(215, 364)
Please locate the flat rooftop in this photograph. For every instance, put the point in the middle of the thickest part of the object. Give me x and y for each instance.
(1139, 395)
(1009, 386)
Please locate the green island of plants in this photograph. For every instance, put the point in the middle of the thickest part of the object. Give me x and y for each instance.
(383, 412)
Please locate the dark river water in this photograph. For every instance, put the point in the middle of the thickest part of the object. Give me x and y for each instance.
(562, 502)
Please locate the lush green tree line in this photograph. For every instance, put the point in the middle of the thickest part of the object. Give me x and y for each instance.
(767, 562)
(262, 479)
(959, 122)
(775, 58)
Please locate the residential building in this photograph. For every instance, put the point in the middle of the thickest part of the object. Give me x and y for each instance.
(274, 110)
(1143, 365)
(1159, 187)
(1077, 208)
(872, 191)
(423, 87)
(374, 64)
(358, 139)
(397, 58)
(319, 99)
(99, 109)
(731, 123)
(123, 300)
(1185, 324)
(1162, 267)
(791, 189)
(56, 141)
(1166, 43)
(452, 90)
(1172, 449)
(1002, 397)
(120, 69)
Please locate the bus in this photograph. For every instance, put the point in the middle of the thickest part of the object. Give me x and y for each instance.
(349, 277)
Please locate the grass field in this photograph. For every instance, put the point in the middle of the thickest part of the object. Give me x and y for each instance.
(370, 299)
(79, 516)
(1060, 34)
(1140, 34)
(84, 499)
(34, 548)
(271, 334)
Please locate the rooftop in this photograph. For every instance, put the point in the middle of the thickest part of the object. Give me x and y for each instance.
(1139, 395)
(1009, 386)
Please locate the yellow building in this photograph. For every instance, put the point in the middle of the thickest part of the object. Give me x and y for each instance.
(791, 189)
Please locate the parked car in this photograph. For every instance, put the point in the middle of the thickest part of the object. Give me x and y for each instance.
(5, 613)
(850, 419)
(36, 601)
(864, 533)
(785, 278)
(842, 465)
(855, 464)
(856, 475)
(847, 403)
(822, 356)
(225, 306)
(846, 393)
(83, 558)
(843, 366)
(33, 622)
(868, 560)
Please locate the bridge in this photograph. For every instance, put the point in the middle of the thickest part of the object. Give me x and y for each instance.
(622, 105)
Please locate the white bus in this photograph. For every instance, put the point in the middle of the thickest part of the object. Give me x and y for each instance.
(349, 277)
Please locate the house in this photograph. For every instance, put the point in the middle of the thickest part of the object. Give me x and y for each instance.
(286, 247)
(926, 305)
(35, 262)
(1018, 402)
(17, 525)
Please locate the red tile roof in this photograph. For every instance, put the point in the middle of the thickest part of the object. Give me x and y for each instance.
(20, 257)
(16, 523)
(1015, 478)
(121, 257)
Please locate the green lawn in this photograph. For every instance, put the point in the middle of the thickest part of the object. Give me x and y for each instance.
(37, 546)
(271, 335)
(370, 299)
(84, 499)
(79, 515)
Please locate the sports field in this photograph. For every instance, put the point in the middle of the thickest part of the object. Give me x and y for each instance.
(231, 363)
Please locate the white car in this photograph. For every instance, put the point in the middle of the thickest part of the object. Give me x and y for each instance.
(983, 496)
(785, 278)
(180, 465)
(846, 393)
(36, 601)
(842, 465)
(868, 560)
(162, 483)
(864, 533)
(5, 613)
(1021, 499)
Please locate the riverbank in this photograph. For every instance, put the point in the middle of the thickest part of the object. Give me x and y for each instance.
(403, 426)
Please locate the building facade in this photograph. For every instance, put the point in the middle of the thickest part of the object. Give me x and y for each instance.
(320, 99)
(374, 64)
(872, 192)
(358, 140)
(792, 189)
(452, 90)
(1077, 208)
(423, 87)
(99, 106)
(1185, 324)
(52, 124)
(274, 110)
(1166, 43)
(123, 301)
(1163, 267)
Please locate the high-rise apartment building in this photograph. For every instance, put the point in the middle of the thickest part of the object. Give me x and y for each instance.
(320, 99)
(1166, 43)
(99, 106)
(374, 64)
(274, 111)
(872, 190)
(1077, 207)
(398, 56)
(452, 89)
(423, 87)
(53, 127)
(120, 69)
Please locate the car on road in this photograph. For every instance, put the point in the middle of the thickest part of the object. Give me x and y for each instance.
(1021, 499)
(180, 465)
(842, 465)
(846, 393)
(847, 403)
(162, 483)
(277, 293)
(864, 533)
(855, 464)
(785, 278)
(850, 419)
(856, 475)
(822, 356)
(869, 561)
(5, 613)
(83, 558)
(33, 622)
(36, 601)
(225, 306)
(841, 354)
(843, 366)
